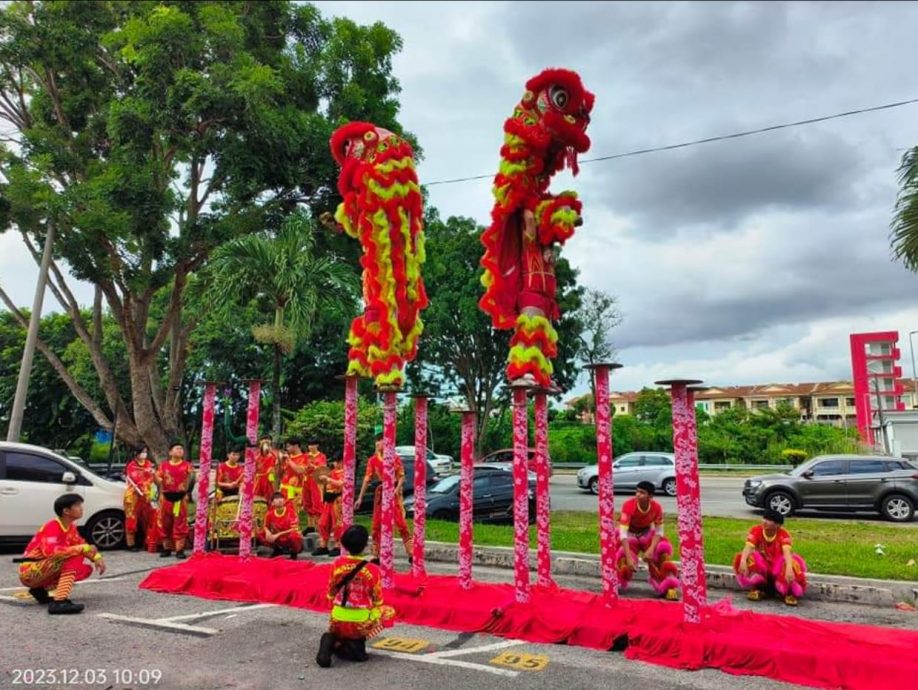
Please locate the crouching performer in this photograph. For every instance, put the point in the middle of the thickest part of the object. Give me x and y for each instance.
(54, 558)
(358, 613)
(641, 535)
(767, 563)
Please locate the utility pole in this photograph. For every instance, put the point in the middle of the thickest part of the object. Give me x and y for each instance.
(25, 368)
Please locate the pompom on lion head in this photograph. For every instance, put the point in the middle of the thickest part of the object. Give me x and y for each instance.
(356, 140)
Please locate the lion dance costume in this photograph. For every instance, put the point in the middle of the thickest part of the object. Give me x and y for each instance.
(381, 207)
(543, 136)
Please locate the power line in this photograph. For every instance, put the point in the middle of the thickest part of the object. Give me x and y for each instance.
(708, 140)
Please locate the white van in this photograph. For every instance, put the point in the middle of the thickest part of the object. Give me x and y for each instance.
(31, 478)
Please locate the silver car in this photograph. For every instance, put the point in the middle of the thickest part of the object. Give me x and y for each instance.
(631, 468)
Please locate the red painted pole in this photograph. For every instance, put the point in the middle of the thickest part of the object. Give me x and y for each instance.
(248, 477)
(387, 513)
(520, 495)
(688, 500)
(207, 441)
(608, 536)
(350, 449)
(543, 495)
(418, 568)
(466, 498)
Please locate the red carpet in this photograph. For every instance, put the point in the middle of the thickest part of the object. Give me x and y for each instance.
(791, 649)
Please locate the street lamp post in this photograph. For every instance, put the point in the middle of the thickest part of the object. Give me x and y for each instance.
(911, 349)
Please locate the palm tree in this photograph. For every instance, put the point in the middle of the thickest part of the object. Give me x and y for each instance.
(905, 218)
(284, 271)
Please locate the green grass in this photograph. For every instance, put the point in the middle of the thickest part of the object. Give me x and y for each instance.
(829, 547)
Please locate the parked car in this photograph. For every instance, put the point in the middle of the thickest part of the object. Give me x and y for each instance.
(492, 497)
(840, 483)
(442, 464)
(508, 467)
(366, 506)
(31, 478)
(504, 456)
(631, 468)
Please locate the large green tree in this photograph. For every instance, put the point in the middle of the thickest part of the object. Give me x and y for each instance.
(150, 133)
(284, 273)
(460, 352)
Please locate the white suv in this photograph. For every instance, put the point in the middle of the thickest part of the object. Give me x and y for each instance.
(31, 478)
(631, 468)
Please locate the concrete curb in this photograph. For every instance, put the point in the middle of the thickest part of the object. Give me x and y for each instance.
(835, 588)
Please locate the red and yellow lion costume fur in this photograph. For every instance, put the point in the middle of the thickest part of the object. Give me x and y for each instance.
(543, 136)
(382, 208)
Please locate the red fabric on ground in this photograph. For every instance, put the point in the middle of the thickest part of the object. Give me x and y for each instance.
(787, 648)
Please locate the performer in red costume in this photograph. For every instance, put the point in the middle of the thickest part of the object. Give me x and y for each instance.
(543, 136)
(229, 475)
(139, 496)
(312, 492)
(768, 562)
(382, 208)
(294, 473)
(330, 524)
(54, 558)
(375, 470)
(355, 591)
(641, 534)
(282, 528)
(265, 469)
(173, 478)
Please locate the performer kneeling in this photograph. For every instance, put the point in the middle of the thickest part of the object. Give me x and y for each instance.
(355, 590)
(282, 528)
(641, 534)
(54, 558)
(767, 562)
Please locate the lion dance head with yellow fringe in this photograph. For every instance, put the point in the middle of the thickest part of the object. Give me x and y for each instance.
(543, 136)
(382, 208)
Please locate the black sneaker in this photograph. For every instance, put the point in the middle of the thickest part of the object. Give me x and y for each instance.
(40, 594)
(309, 530)
(321, 551)
(275, 552)
(360, 651)
(334, 553)
(326, 647)
(65, 607)
(294, 555)
(181, 555)
(165, 554)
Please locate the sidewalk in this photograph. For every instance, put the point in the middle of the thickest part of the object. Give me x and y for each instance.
(834, 588)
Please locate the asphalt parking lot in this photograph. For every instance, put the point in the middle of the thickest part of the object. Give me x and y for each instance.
(133, 638)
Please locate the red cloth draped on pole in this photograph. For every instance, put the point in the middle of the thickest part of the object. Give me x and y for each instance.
(520, 495)
(466, 498)
(543, 495)
(350, 449)
(418, 567)
(608, 542)
(248, 478)
(207, 439)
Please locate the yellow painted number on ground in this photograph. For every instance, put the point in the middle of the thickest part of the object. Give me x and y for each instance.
(522, 662)
(402, 644)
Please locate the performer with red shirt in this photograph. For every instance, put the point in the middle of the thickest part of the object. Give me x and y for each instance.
(282, 528)
(641, 534)
(312, 493)
(768, 562)
(140, 473)
(265, 469)
(173, 478)
(375, 470)
(229, 475)
(294, 473)
(54, 558)
(331, 521)
(355, 591)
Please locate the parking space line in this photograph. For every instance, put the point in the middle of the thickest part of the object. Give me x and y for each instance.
(431, 659)
(197, 631)
(219, 612)
(475, 650)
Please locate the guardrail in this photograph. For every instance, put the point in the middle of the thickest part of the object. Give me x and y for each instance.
(701, 466)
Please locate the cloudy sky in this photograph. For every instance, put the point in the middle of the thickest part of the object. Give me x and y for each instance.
(739, 262)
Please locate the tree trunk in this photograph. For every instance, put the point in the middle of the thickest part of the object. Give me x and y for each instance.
(275, 387)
